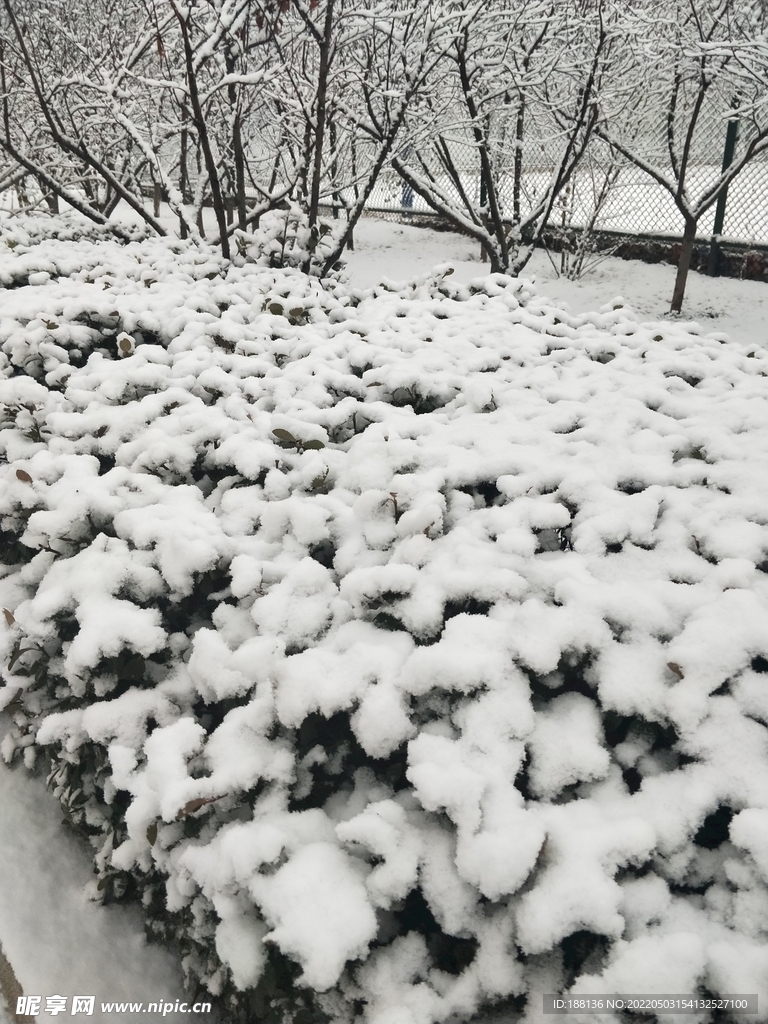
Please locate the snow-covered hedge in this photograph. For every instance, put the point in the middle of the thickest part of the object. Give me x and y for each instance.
(403, 651)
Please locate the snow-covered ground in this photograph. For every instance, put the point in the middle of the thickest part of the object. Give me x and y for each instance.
(471, 485)
(724, 305)
(58, 942)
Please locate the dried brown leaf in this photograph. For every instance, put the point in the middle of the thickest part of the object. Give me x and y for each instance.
(194, 805)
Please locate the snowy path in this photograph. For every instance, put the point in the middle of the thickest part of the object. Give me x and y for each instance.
(56, 940)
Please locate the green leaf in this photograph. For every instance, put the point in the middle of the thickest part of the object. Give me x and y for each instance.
(130, 666)
(296, 312)
(276, 308)
(284, 435)
(15, 658)
(152, 833)
(313, 446)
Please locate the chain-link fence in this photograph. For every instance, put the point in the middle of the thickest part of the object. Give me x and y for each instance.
(606, 193)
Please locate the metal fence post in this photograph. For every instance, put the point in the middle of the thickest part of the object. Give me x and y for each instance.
(483, 205)
(731, 134)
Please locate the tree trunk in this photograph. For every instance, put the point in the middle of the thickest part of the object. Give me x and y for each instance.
(320, 113)
(51, 198)
(237, 144)
(335, 197)
(183, 171)
(689, 237)
(517, 173)
(205, 142)
(237, 147)
(489, 196)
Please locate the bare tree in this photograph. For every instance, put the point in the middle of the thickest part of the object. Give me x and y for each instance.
(231, 89)
(398, 57)
(684, 69)
(107, 95)
(349, 71)
(55, 125)
(521, 82)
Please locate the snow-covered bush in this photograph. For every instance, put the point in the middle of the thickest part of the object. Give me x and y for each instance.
(42, 245)
(404, 652)
(284, 238)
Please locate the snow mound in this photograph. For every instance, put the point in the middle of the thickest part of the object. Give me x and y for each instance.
(403, 650)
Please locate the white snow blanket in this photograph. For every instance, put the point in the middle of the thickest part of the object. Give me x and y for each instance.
(419, 635)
